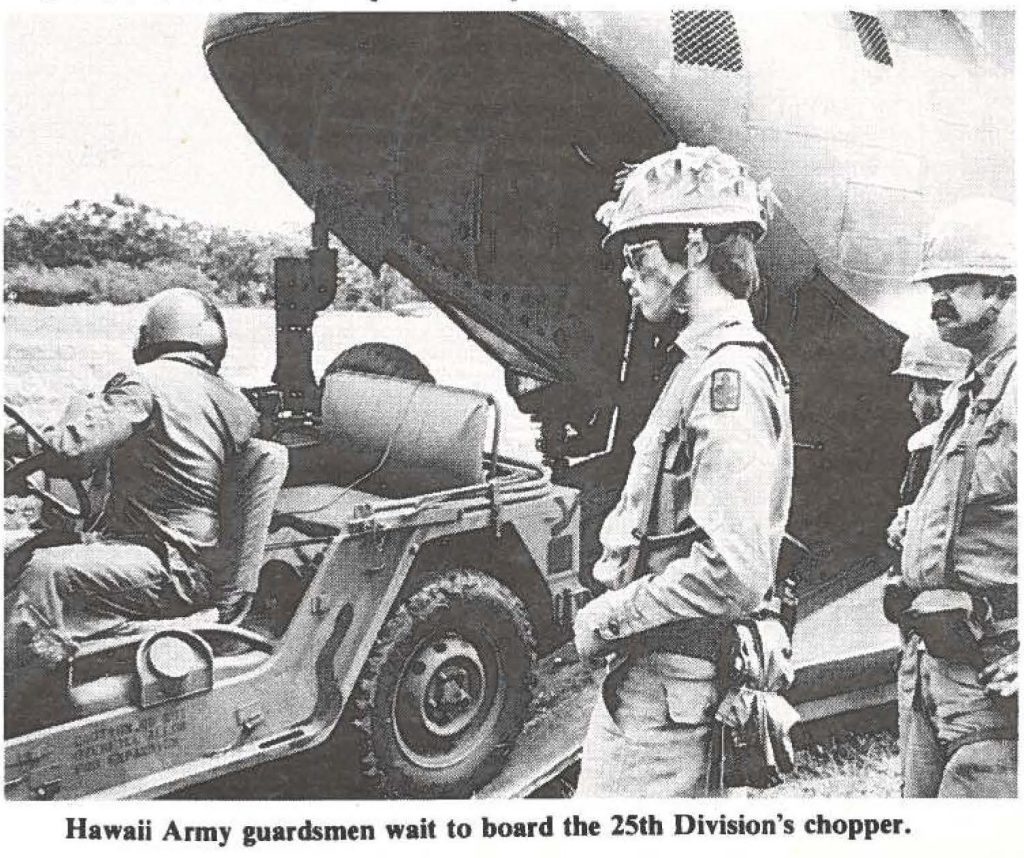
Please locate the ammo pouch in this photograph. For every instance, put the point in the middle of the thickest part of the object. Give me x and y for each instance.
(751, 745)
(896, 598)
(948, 624)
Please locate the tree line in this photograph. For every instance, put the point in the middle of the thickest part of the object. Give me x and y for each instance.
(123, 251)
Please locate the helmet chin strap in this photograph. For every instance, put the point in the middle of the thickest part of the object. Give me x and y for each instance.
(987, 320)
(694, 247)
(679, 317)
(695, 255)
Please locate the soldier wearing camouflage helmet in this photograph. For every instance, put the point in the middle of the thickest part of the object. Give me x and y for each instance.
(714, 459)
(931, 365)
(958, 677)
(168, 429)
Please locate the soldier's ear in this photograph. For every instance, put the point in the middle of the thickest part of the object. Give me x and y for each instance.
(697, 248)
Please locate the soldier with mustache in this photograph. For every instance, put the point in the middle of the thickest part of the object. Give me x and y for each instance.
(958, 674)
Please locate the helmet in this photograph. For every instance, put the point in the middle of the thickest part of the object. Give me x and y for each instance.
(975, 236)
(687, 185)
(926, 356)
(181, 320)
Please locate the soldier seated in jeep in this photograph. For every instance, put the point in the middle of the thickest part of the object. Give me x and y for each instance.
(404, 577)
(179, 440)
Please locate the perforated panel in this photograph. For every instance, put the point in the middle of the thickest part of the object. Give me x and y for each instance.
(873, 42)
(706, 38)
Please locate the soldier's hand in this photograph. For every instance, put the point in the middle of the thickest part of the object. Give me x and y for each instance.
(1000, 677)
(590, 643)
(612, 569)
(898, 529)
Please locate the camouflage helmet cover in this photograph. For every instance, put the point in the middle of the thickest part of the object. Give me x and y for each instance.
(688, 185)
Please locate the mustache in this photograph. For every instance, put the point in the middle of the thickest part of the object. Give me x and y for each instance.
(944, 310)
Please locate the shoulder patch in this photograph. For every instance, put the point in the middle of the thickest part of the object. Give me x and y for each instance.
(725, 390)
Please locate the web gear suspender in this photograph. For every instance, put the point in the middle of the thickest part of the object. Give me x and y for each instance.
(974, 428)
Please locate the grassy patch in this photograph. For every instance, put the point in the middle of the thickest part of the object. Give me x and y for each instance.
(850, 766)
(110, 282)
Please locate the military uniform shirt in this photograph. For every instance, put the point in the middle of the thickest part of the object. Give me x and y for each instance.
(985, 548)
(919, 446)
(167, 428)
(730, 471)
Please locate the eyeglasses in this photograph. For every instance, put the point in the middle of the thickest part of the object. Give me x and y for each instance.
(634, 253)
(950, 283)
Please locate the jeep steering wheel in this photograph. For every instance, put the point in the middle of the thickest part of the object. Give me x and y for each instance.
(17, 472)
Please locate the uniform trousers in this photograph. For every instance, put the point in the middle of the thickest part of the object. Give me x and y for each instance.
(650, 733)
(95, 588)
(955, 740)
(72, 593)
(104, 585)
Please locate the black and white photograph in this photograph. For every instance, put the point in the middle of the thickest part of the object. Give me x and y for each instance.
(509, 403)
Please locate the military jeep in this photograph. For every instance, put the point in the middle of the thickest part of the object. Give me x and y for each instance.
(411, 578)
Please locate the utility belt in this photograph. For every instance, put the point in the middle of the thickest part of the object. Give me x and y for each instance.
(702, 637)
(956, 625)
(753, 662)
(750, 743)
(697, 638)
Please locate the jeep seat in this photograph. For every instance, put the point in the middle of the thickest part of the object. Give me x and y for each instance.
(395, 438)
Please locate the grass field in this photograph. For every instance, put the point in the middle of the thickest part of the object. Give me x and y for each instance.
(854, 765)
(51, 352)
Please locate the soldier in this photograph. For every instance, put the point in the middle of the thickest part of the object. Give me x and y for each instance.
(173, 433)
(714, 460)
(931, 365)
(958, 676)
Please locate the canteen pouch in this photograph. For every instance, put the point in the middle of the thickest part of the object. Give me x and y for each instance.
(946, 621)
(751, 745)
(896, 598)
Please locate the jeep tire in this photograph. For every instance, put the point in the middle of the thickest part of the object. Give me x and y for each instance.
(446, 688)
(375, 358)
